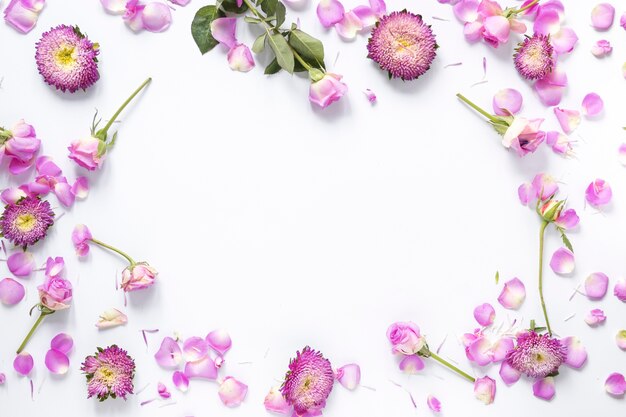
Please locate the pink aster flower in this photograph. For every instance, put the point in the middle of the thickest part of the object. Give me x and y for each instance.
(534, 57)
(535, 355)
(67, 59)
(23, 14)
(27, 221)
(403, 45)
(308, 382)
(326, 88)
(20, 145)
(109, 373)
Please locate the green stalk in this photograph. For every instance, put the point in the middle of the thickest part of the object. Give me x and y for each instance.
(102, 133)
(114, 249)
(32, 330)
(542, 231)
(491, 117)
(454, 368)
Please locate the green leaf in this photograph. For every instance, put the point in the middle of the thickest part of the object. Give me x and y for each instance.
(307, 46)
(272, 68)
(259, 44)
(250, 19)
(269, 7)
(565, 240)
(284, 55)
(201, 28)
(280, 13)
(497, 277)
(231, 6)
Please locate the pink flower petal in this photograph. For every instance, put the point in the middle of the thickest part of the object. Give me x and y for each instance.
(54, 267)
(3, 378)
(497, 29)
(349, 376)
(507, 101)
(195, 348)
(513, 294)
(433, 403)
(204, 368)
(366, 16)
(21, 264)
(162, 391)
(548, 22)
(501, 347)
(11, 291)
(559, 143)
(545, 186)
(411, 364)
(81, 235)
(23, 14)
(544, 388)
(562, 261)
(23, 363)
(111, 318)
(473, 31)
(485, 314)
(466, 11)
(615, 384)
(595, 317)
(509, 374)
(598, 193)
(550, 89)
(576, 352)
(62, 342)
(240, 58)
(568, 119)
(12, 195)
(330, 12)
(169, 354)
(596, 285)
(180, 381)
(564, 41)
(485, 389)
(620, 339)
(620, 289)
(481, 351)
(57, 362)
(156, 17)
(232, 392)
(621, 151)
(114, 6)
(219, 341)
(602, 16)
(80, 188)
(349, 26)
(276, 403)
(568, 219)
(223, 30)
(601, 48)
(371, 96)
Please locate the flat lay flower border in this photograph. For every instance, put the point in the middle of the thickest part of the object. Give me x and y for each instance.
(404, 46)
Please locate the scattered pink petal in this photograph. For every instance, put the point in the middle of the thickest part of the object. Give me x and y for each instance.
(163, 392)
(576, 352)
(23, 363)
(568, 119)
(371, 97)
(601, 48)
(80, 188)
(366, 16)
(62, 342)
(500, 348)
(240, 58)
(509, 374)
(615, 384)
(81, 235)
(22, 15)
(568, 219)
(3, 378)
(513, 294)
(620, 289)
(562, 261)
(204, 368)
(602, 16)
(276, 403)
(550, 88)
(114, 6)
(559, 143)
(564, 41)
(349, 26)
(219, 341)
(195, 348)
(411, 364)
(544, 186)
(232, 392)
(596, 285)
(169, 354)
(548, 22)
(349, 376)
(466, 11)
(12, 195)
(544, 388)
(330, 12)
(620, 339)
(595, 317)
(181, 382)
(433, 403)
(592, 105)
(111, 318)
(21, 264)
(480, 351)
(598, 193)
(223, 30)
(485, 314)
(485, 389)
(11, 291)
(57, 362)
(54, 267)
(507, 101)
(156, 17)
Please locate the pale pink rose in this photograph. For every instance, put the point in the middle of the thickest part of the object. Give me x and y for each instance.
(20, 147)
(85, 153)
(138, 276)
(405, 338)
(55, 293)
(327, 90)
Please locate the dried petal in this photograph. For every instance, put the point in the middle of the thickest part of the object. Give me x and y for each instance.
(111, 318)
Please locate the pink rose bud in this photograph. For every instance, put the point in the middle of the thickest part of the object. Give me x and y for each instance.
(55, 293)
(551, 210)
(138, 276)
(405, 338)
(88, 152)
(327, 89)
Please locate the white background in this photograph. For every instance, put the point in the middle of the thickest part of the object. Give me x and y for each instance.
(288, 226)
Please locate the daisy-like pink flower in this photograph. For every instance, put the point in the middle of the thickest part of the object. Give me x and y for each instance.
(308, 382)
(110, 373)
(536, 355)
(26, 221)
(534, 57)
(67, 59)
(403, 45)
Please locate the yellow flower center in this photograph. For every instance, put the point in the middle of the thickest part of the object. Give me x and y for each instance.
(65, 56)
(25, 222)
(106, 375)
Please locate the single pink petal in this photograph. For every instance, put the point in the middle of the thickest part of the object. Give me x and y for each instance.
(595, 317)
(349, 26)
(513, 294)
(204, 368)
(615, 384)
(21, 264)
(156, 17)
(559, 143)
(411, 364)
(276, 403)
(11, 291)
(63, 191)
(576, 352)
(620, 339)
(45, 166)
(550, 89)
(620, 289)
(485, 389)
(54, 267)
(481, 351)
(22, 15)
(497, 28)
(564, 41)
(371, 96)
(232, 392)
(23, 363)
(62, 342)
(485, 314)
(330, 12)
(568, 219)
(162, 391)
(568, 119)
(548, 22)
(592, 105)
(114, 6)
(223, 30)
(111, 318)
(509, 374)
(602, 16)
(596, 285)
(601, 48)
(169, 354)
(621, 151)
(12, 195)
(526, 193)
(562, 261)
(501, 347)
(545, 186)
(544, 388)
(219, 341)
(378, 7)
(473, 31)
(433, 403)
(80, 188)
(195, 348)
(507, 101)
(240, 58)
(180, 381)
(57, 362)
(598, 193)
(366, 16)
(349, 376)
(466, 11)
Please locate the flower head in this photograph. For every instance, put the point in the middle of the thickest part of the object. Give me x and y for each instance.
(110, 373)
(138, 276)
(405, 338)
(402, 44)
(87, 152)
(327, 90)
(308, 382)
(536, 355)
(534, 57)
(19, 145)
(55, 293)
(67, 59)
(26, 221)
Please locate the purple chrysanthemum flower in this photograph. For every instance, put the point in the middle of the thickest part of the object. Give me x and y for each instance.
(25, 222)
(67, 59)
(403, 45)
(537, 355)
(110, 373)
(534, 58)
(308, 382)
